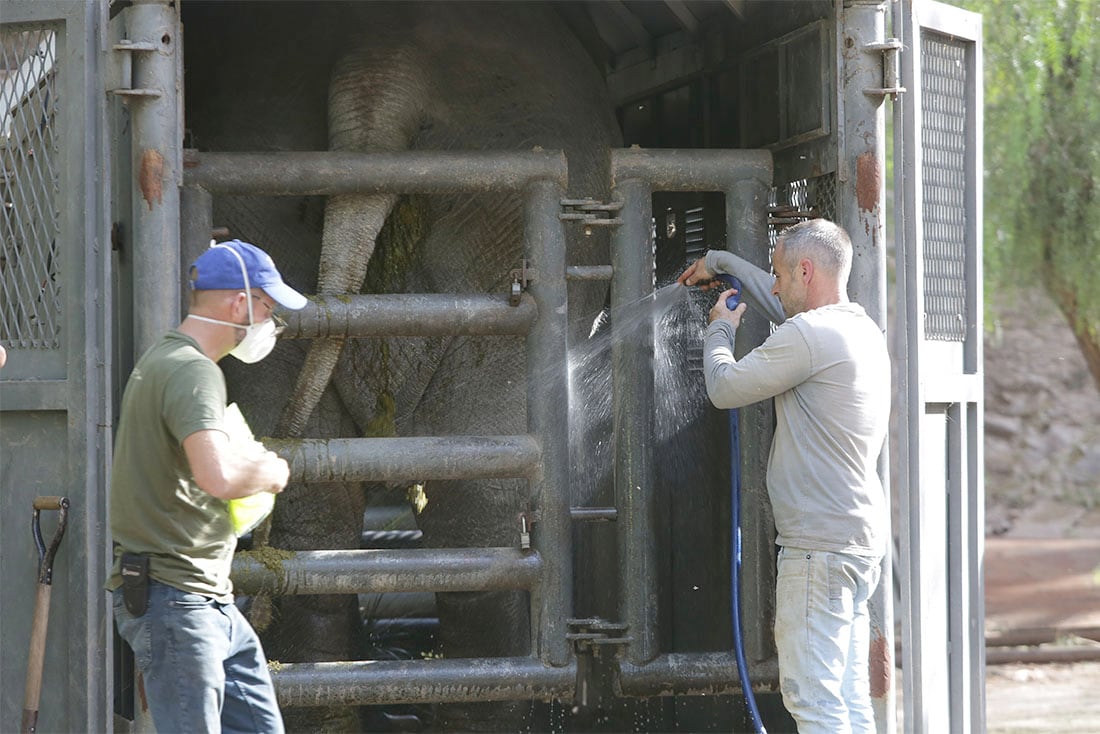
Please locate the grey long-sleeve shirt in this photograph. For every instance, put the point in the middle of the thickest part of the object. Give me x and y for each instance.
(829, 372)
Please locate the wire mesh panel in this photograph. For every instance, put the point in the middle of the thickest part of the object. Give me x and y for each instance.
(30, 299)
(943, 137)
(797, 201)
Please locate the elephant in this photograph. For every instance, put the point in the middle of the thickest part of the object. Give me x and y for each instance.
(393, 77)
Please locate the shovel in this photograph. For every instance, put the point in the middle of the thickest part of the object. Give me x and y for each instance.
(41, 606)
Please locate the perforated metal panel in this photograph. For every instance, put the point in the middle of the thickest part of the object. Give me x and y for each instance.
(30, 302)
(943, 135)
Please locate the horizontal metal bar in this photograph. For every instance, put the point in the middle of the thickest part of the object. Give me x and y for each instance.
(283, 573)
(368, 682)
(410, 314)
(691, 170)
(298, 173)
(34, 395)
(593, 514)
(589, 272)
(693, 674)
(395, 459)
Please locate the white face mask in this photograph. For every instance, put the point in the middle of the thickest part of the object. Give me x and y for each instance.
(259, 339)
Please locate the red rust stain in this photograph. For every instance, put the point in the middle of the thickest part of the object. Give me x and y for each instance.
(881, 665)
(141, 692)
(868, 181)
(151, 177)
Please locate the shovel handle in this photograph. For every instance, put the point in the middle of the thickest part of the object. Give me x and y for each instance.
(46, 555)
(33, 689)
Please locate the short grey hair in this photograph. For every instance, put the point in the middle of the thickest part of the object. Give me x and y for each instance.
(822, 242)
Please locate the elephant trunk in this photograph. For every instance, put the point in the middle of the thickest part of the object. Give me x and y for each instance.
(377, 101)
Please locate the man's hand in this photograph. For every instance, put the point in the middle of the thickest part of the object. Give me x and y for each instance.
(720, 311)
(277, 471)
(697, 273)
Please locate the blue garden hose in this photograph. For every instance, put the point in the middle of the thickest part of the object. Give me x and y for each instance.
(735, 542)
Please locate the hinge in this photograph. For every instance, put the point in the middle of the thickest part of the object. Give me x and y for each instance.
(128, 49)
(591, 213)
(891, 68)
(590, 638)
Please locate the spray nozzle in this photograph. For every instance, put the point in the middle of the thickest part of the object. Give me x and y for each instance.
(730, 282)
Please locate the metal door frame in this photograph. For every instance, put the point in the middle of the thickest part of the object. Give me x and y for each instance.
(59, 399)
(940, 391)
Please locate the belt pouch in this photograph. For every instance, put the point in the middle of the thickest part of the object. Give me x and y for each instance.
(135, 582)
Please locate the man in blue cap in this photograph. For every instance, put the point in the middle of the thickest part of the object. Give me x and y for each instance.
(174, 472)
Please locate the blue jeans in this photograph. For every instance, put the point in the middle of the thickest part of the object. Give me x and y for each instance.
(202, 663)
(822, 636)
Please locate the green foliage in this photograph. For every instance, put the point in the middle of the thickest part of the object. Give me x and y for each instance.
(1042, 149)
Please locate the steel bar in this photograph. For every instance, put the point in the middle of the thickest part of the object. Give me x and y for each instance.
(589, 272)
(1029, 636)
(395, 459)
(329, 172)
(1039, 655)
(632, 400)
(690, 170)
(747, 236)
(156, 132)
(196, 232)
(369, 682)
(701, 673)
(282, 573)
(548, 420)
(409, 314)
(594, 514)
(861, 191)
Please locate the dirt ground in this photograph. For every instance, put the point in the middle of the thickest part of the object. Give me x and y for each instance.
(1042, 562)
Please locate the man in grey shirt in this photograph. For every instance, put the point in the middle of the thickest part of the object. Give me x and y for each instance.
(827, 367)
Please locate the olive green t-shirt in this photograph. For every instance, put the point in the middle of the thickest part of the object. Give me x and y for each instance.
(156, 507)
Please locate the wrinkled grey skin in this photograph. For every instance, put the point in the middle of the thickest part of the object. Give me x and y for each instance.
(409, 76)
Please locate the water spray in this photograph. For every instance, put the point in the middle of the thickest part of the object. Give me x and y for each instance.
(735, 539)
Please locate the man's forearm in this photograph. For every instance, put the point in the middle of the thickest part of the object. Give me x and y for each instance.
(756, 282)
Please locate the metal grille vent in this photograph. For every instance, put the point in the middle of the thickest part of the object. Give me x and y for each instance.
(797, 201)
(30, 299)
(943, 144)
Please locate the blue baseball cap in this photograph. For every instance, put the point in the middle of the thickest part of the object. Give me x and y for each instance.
(224, 265)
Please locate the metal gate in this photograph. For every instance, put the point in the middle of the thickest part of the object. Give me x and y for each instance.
(541, 456)
(938, 154)
(55, 324)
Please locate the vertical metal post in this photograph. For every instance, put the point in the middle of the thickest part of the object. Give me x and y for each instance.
(196, 225)
(157, 141)
(548, 419)
(632, 392)
(747, 236)
(861, 194)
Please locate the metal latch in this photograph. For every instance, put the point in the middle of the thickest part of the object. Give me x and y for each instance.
(521, 278)
(591, 212)
(891, 68)
(128, 49)
(527, 521)
(590, 638)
